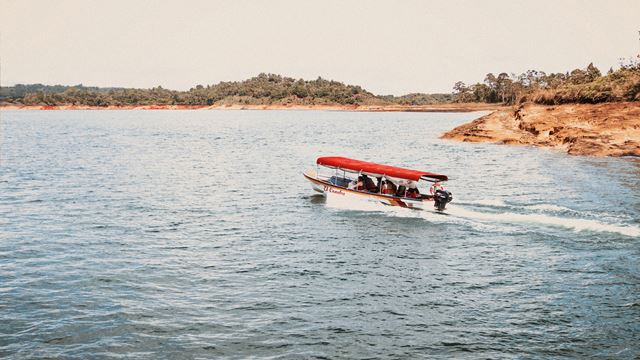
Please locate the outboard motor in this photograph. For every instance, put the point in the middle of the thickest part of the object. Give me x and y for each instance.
(441, 198)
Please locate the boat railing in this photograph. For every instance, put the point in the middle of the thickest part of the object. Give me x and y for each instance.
(343, 182)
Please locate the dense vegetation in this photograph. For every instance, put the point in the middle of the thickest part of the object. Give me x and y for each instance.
(20, 90)
(418, 99)
(578, 86)
(586, 85)
(259, 90)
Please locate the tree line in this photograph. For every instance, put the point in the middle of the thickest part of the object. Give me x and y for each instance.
(264, 89)
(586, 85)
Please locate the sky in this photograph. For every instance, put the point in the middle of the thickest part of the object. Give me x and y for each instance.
(387, 47)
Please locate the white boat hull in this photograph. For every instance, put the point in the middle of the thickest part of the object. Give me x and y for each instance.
(324, 187)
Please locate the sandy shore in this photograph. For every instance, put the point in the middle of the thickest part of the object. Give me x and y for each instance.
(611, 129)
(382, 108)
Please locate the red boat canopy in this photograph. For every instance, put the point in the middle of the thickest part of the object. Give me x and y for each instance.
(376, 169)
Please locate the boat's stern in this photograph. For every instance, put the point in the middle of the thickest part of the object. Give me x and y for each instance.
(441, 198)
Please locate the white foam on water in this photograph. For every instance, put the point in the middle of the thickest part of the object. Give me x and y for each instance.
(434, 216)
(542, 219)
(501, 203)
(592, 214)
(487, 202)
(460, 215)
(362, 204)
(549, 207)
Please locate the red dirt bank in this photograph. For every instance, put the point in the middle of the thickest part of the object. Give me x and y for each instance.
(610, 129)
(400, 108)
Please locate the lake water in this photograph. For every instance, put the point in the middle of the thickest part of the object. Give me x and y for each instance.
(192, 234)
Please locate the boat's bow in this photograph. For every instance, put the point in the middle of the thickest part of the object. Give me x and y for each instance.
(312, 176)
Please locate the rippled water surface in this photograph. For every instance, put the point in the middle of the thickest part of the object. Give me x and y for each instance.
(192, 234)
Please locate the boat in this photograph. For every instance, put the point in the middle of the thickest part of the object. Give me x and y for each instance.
(341, 176)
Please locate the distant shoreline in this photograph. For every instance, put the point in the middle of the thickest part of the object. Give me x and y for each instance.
(608, 129)
(450, 107)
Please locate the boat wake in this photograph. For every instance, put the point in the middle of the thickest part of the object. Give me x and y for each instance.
(575, 224)
(544, 215)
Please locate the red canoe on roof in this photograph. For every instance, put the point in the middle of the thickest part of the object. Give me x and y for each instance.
(377, 169)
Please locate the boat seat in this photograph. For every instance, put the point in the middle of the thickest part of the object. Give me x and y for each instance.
(339, 181)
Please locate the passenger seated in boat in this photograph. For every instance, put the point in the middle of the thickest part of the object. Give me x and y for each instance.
(356, 184)
(388, 187)
(378, 185)
(412, 193)
(435, 187)
(401, 191)
(368, 184)
(359, 184)
(394, 188)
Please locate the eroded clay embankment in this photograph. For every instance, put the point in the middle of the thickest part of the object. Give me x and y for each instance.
(611, 129)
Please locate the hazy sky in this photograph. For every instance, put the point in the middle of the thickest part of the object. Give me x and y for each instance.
(388, 47)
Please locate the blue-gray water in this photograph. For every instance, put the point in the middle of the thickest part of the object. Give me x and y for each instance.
(192, 234)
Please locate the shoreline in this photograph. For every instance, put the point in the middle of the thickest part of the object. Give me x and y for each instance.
(607, 129)
(462, 107)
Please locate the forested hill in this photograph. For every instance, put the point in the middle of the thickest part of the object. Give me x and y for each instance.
(264, 89)
(587, 85)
